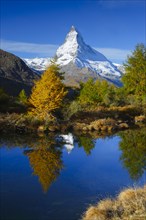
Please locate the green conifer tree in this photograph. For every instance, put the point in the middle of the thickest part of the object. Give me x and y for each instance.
(134, 78)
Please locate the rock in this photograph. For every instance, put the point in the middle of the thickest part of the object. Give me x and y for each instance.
(90, 128)
(110, 128)
(104, 128)
(123, 125)
(85, 128)
(140, 118)
(54, 128)
(41, 128)
(79, 126)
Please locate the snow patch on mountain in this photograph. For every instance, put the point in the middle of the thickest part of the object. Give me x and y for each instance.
(120, 67)
(38, 64)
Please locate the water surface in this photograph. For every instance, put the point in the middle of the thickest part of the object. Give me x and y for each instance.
(45, 179)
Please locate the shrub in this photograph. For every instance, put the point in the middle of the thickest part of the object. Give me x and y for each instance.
(22, 97)
(71, 109)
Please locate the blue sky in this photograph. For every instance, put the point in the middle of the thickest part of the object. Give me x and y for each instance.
(31, 28)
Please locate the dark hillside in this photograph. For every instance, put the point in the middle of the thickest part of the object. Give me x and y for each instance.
(15, 75)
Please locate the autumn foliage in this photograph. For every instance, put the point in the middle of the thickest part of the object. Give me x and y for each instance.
(47, 93)
(46, 162)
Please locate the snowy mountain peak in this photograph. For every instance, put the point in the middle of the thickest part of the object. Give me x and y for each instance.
(74, 34)
(73, 28)
(69, 50)
(73, 37)
(76, 50)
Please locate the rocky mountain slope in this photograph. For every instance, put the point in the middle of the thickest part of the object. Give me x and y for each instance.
(15, 75)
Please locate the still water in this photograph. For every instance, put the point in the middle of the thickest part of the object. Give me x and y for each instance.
(56, 178)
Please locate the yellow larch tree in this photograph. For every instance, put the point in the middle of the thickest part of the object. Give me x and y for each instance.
(47, 93)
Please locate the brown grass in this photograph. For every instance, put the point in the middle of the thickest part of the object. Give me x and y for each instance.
(15, 122)
(130, 204)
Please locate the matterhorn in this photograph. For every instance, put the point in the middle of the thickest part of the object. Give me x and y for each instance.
(80, 62)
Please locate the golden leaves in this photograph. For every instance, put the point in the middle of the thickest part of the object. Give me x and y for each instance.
(47, 93)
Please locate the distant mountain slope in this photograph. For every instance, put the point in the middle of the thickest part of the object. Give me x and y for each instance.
(15, 75)
(37, 64)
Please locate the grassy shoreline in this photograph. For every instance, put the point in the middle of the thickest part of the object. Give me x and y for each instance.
(101, 120)
(129, 204)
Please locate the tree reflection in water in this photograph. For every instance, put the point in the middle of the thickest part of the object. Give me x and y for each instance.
(45, 156)
(46, 162)
(133, 148)
(87, 143)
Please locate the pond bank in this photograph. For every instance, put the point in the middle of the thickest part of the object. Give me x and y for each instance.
(103, 120)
